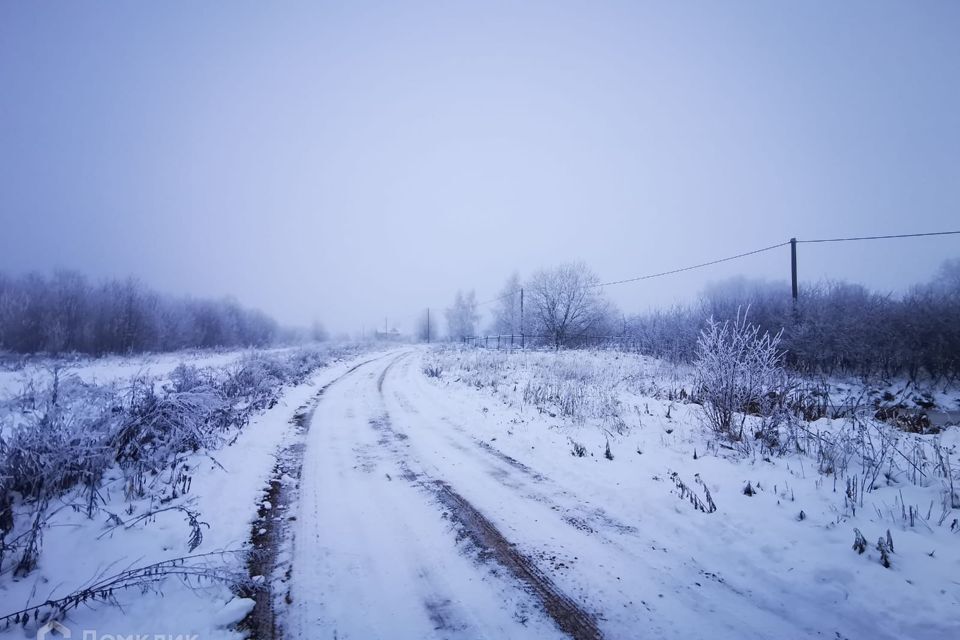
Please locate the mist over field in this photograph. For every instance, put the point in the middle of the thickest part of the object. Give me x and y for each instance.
(479, 320)
(355, 163)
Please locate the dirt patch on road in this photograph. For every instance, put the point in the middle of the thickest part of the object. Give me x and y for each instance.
(271, 531)
(491, 543)
(513, 462)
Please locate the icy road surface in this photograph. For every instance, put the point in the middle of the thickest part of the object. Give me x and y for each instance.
(416, 521)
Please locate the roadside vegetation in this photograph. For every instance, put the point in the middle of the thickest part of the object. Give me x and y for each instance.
(744, 403)
(124, 455)
(834, 329)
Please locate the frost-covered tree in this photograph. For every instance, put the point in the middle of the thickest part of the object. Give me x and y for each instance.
(462, 317)
(566, 303)
(835, 327)
(738, 370)
(65, 313)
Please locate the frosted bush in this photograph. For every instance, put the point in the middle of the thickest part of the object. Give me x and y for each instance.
(68, 438)
(579, 385)
(739, 371)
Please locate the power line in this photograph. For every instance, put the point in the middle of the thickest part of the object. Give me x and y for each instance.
(743, 255)
(902, 235)
(691, 267)
(497, 299)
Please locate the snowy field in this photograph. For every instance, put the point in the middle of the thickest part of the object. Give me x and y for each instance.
(663, 536)
(444, 493)
(18, 372)
(169, 556)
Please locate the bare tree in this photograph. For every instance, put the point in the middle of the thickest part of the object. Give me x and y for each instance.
(65, 313)
(566, 303)
(462, 317)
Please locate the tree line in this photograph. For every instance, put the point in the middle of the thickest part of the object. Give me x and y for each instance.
(834, 327)
(64, 312)
(561, 306)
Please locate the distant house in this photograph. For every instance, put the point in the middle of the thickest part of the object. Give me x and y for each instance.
(388, 336)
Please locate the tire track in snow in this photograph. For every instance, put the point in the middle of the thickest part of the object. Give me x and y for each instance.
(373, 557)
(489, 542)
(518, 476)
(271, 536)
(699, 601)
(568, 615)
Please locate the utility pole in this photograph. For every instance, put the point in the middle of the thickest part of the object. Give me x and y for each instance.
(428, 325)
(793, 268)
(522, 339)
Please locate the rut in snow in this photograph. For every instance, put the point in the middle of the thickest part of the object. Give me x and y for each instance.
(490, 543)
(268, 535)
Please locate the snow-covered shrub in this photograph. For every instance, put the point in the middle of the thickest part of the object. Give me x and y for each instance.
(61, 446)
(159, 428)
(303, 362)
(186, 377)
(859, 542)
(254, 378)
(192, 570)
(433, 363)
(580, 385)
(48, 452)
(705, 504)
(577, 449)
(738, 372)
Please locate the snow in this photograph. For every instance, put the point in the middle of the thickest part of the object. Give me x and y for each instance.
(116, 369)
(233, 612)
(373, 557)
(409, 482)
(642, 555)
(227, 486)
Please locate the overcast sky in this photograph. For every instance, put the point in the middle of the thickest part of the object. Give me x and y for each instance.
(354, 161)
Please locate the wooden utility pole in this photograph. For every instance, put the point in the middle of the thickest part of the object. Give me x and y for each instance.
(793, 268)
(428, 325)
(522, 339)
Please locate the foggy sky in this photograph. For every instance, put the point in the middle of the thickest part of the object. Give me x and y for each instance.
(350, 163)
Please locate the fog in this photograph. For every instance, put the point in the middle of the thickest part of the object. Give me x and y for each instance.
(362, 163)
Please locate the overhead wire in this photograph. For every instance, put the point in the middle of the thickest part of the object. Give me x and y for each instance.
(692, 267)
(745, 254)
(899, 235)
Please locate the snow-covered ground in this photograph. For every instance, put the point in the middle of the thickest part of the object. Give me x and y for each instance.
(14, 375)
(381, 549)
(469, 494)
(226, 491)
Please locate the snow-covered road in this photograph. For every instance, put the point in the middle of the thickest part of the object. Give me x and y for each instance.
(377, 553)
(415, 521)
